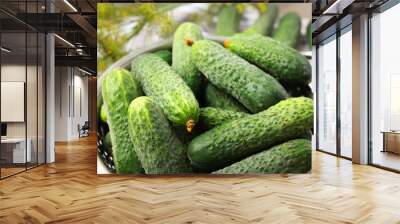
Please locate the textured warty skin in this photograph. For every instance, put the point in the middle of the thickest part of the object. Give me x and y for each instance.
(157, 146)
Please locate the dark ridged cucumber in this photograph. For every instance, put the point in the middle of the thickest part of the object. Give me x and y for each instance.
(252, 87)
(298, 90)
(157, 146)
(107, 141)
(182, 62)
(211, 117)
(293, 156)
(168, 89)
(166, 55)
(239, 138)
(288, 30)
(265, 22)
(228, 21)
(119, 88)
(215, 97)
(282, 62)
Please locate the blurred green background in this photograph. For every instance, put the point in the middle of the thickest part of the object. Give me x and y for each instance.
(122, 25)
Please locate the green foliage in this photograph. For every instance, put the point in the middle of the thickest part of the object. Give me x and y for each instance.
(113, 17)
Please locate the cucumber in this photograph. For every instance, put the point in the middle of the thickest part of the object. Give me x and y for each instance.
(265, 22)
(293, 156)
(99, 103)
(282, 62)
(119, 88)
(166, 55)
(252, 87)
(107, 141)
(215, 97)
(288, 30)
(157, 147)
(211, 117)
(168, 89)
(228, 21)
(103, 114)
(182, 62)
(237, 139)
(184, 136)
(298, 90)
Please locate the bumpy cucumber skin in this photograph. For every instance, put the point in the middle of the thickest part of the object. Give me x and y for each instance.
(182, 62)
(252, 87)
(228, 21)
(215, 97)
(119, 88)
(166, 55)
(282, 62)
(211, 117)
(265, 22)
(288, 30)
(159, 81)
(157, 147)
(237, 139)
(293, 156)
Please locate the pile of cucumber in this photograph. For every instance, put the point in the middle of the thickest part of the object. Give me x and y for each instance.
(286, 29)
(206, 107)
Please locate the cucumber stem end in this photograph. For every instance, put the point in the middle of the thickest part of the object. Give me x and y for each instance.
(190, 125)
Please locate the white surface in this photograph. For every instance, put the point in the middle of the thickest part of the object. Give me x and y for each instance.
(12, 140)
(346, 94)
(19, 149)
(12, 101)
(314, 90)
(327, 97)
(394, 102)
(101, 168)
(71, 98)
(385, 75)
(50, 98)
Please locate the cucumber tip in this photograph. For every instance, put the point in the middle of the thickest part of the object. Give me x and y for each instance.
(190, 125)
(188, 42)
(226, 43)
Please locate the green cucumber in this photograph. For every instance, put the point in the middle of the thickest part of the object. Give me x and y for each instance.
(239, 138)
(166, 55)
(119, 88)
(211, 117)
(265, 22)
(100, 102)
(252, 87)
(157, 146)
(184, 136)
(228, 21)
(168, 89)
(282, 62)
(288, 30)
(293, 156)
(103, 114)
(215, 97)
(298, 90)
(182, 62)
(107, 141)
